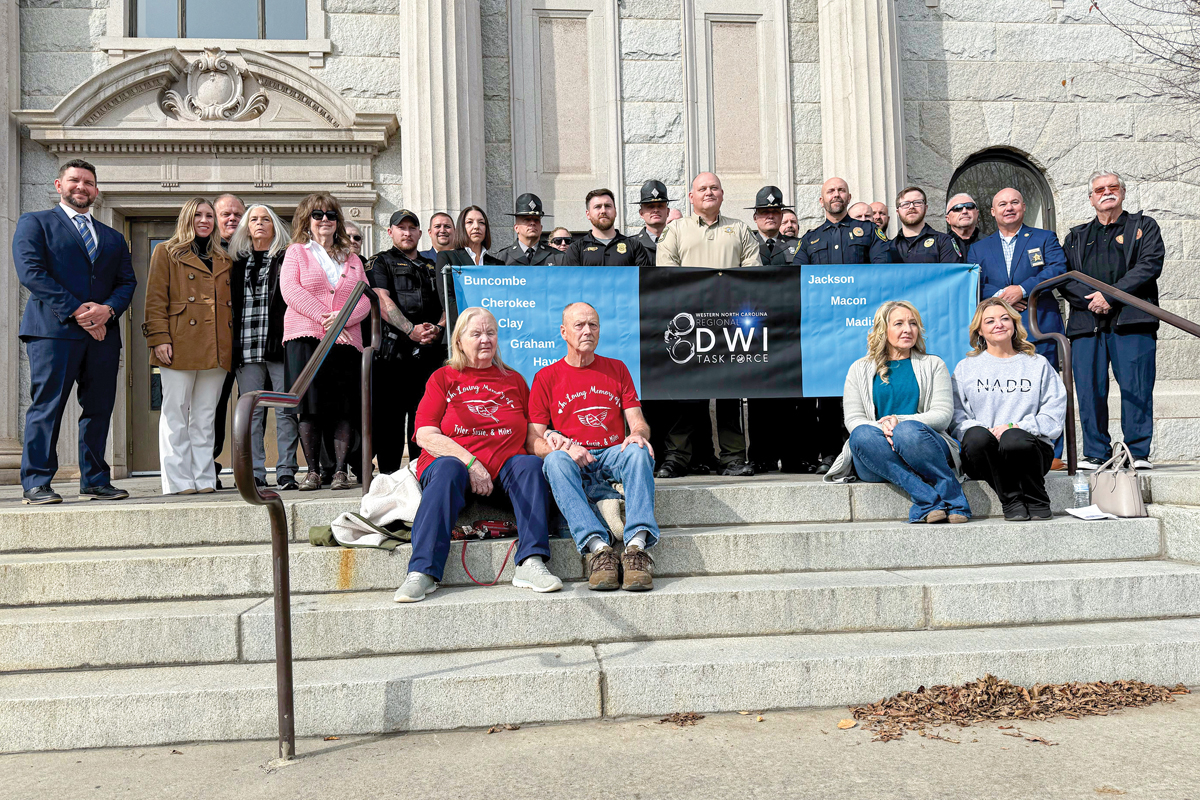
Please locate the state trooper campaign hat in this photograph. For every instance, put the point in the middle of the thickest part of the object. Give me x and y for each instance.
(769, 197)
(529, 205)
(401, 215)
(654, 192)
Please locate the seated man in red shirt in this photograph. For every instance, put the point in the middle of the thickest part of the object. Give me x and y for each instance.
(578, 407)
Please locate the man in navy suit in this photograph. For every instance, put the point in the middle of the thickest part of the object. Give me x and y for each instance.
(1015, 259)
(79, 274)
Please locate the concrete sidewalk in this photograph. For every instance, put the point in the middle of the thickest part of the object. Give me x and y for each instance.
(1139, 753)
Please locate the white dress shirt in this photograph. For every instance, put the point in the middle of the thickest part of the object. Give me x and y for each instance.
(72, 213)
(333, 270)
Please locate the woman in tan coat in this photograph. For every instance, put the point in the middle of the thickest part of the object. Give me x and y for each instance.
(188, 326)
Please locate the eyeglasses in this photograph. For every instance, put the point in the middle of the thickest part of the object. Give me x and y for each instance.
(1103, 190)
(319, 214)
(354, 238)
(961, 207)
(561, 240)
(910, 204)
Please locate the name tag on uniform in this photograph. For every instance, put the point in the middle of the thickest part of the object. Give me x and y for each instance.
(1035, 257)
(592, 249)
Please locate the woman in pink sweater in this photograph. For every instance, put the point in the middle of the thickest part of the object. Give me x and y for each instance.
(319, 272)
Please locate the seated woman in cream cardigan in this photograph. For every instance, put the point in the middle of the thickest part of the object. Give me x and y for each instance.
(898, 404)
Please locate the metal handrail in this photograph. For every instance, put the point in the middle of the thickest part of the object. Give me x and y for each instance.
(1064, 344)
(243, 473)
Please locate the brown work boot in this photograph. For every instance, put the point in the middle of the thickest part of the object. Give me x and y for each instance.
(635, 563)
(603, 570)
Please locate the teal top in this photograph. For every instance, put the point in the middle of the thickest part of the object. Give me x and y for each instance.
(900, 395)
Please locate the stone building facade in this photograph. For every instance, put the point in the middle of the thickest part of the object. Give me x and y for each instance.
(435, 104)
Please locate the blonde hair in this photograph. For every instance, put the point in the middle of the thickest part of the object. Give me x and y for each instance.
(877, 340)
(301, 224)
(458, 358)
(180, 243)
(1020, 341)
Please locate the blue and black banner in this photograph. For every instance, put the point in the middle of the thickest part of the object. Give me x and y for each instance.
(688, 333)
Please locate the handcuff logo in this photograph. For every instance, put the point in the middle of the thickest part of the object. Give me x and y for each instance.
(679, 348)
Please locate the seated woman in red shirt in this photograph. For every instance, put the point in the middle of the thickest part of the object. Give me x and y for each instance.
(472, 425)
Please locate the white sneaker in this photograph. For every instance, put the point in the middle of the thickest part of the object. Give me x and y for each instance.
(415, 587)
(534, 575)
(1142, 463)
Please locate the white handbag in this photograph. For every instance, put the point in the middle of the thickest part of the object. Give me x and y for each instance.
(1115, 487)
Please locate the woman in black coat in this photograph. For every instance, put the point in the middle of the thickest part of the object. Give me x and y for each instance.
(472, 238)
(258, 246)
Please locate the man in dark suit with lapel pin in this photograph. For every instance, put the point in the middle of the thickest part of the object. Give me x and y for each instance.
(1015, 259)
(80, 278)
(775, 248)
(529, 250)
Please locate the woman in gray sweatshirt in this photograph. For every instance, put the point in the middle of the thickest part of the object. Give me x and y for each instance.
(1009, 407)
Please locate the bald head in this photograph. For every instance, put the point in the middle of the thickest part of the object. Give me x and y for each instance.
(707, 196)
(860, 211)
(835, 197)
(581, 331)
(1008, 208)
(963, 221)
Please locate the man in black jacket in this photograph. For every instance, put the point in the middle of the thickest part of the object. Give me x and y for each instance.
(1126, 251)
(917, 242)
(529, 250)
(775, 249)
(604, 245)
(411, 348)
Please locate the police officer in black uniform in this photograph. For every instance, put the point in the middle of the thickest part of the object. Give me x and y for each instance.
(604, 245)
(917, 242)
(654, 212)
(413, 338)
(838, 240)
(775, 248)
(529, 250)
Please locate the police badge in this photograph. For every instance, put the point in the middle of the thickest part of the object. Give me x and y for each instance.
(929, 242)
(621, 248)
(1035, 257)
(857, 231)
(1120, 238)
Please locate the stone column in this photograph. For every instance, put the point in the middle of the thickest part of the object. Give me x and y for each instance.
(862, 108)
(10, 209)
(441, 120)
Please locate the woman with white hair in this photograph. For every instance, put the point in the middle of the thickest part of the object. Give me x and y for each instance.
(257, 246)
(898, 405)
(472, 426)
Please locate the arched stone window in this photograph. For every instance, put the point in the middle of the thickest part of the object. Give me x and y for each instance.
(987, 172)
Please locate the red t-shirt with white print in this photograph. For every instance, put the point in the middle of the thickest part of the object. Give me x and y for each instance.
(585, 403)
(480, 409)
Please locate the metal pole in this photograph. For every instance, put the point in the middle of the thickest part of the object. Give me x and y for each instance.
(446, 270)
(368, 365)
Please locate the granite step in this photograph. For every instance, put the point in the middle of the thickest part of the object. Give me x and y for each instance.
(173, 573)
(350, 624)
(165, 705)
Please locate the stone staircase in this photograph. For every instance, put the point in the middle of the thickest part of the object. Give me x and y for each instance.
(150, 623)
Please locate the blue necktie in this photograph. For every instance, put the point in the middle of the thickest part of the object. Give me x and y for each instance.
(88, 240)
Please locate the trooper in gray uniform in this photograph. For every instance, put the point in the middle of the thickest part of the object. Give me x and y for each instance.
(529, 250)
(654, 212)
(768, 208)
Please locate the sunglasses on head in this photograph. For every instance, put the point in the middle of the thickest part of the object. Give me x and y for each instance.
(320, 214)
(961, 207)
(561, 240)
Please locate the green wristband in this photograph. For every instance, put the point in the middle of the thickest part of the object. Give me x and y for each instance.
(471, 463)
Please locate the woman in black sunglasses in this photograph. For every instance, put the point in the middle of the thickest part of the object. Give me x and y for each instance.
(472, 239)
(319, 271)
(560, 238)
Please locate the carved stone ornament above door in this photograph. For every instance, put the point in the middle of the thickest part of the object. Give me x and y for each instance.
(215, 91)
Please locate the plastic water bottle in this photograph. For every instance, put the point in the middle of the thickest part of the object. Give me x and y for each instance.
(1083, 494)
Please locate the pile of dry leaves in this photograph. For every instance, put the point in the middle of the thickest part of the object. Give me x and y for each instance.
(994, 700)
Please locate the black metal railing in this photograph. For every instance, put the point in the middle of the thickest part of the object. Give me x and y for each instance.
(1064, 344)
(243, 473)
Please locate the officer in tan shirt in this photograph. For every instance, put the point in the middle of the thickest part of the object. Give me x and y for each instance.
(705, 238)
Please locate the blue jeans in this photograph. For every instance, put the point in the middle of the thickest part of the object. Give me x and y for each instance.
(920, 465)
(444, 487)
(634, 468)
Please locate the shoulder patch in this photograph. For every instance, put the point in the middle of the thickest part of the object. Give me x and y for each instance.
(882, 236)
(370, 263)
